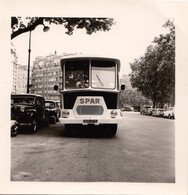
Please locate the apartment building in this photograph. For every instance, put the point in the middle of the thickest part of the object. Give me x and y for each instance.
(19, 74)
(46, 73)
(14, 67)
(21, 78)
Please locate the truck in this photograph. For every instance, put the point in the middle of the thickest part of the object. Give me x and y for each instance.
(90, 92)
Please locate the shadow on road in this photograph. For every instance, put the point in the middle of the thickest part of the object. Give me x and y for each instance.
(58, 130)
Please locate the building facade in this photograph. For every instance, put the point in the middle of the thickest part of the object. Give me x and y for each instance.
(19, 74)
(14, 67)
(21, 78)
(46, 73)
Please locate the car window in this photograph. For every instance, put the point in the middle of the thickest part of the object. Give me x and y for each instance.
(39, 102)
(49, 105)
(23, 100)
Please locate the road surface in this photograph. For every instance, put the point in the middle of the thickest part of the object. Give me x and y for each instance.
(142, 151)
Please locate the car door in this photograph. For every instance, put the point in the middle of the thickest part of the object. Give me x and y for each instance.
(40, 108)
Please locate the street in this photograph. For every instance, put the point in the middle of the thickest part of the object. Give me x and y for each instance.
(142, 151)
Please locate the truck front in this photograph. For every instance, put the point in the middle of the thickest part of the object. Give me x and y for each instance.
(90, 92)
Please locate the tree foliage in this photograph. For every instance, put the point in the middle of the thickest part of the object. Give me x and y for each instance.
(154, 73)
(21, 25)
(133, 97)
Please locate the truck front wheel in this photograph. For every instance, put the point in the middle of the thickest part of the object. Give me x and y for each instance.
(68, 128)
(111, 129)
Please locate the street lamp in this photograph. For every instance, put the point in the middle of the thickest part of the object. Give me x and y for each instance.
(45, 29)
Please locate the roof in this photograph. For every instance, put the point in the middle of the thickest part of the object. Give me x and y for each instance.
(27, 94)
(50, 101)
(90, 57)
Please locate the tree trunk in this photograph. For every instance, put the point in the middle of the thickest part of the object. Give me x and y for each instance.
(154, 100)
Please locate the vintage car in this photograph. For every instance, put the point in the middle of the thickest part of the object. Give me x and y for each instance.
(159, 112)
(29, 111)
(145, 110)
(54, 110)
(127, 108)
(169, 113)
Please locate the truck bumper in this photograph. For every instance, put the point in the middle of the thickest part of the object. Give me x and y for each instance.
(90, 121)
(96, 120)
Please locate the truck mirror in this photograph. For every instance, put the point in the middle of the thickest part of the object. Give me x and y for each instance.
(122, 87)
(56, 87)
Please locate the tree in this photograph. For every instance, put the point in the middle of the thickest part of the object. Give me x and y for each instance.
(134, 98)
(154, 73)
(21, 25)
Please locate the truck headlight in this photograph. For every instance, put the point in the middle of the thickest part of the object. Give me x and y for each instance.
(65, 113)
(113, 113)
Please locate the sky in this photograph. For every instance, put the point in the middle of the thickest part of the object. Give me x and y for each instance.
(134, 30)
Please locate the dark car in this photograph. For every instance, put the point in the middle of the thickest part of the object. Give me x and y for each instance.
(54, 110)
(29, 111)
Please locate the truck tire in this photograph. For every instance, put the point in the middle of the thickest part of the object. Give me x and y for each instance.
(111, 129)
(53, 120)
(67, 129)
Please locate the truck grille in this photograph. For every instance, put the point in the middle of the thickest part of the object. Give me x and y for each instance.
(90, 110)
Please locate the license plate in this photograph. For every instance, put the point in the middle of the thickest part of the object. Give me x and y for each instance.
(90, 121)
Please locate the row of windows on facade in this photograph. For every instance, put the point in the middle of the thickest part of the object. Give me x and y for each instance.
(39, 91)
(41, 74)
(49, 85)
(37, 66)
(20, 86)
(48, 61)
(38, 80)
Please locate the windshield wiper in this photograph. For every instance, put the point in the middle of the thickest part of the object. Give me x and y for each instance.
(100, 80)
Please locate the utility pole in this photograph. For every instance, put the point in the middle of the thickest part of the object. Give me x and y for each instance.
(28, 69)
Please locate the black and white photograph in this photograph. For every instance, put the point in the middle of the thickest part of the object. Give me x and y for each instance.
(95, 98)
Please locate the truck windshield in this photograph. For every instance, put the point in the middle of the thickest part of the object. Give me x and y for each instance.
(103, 74)
(77, 74)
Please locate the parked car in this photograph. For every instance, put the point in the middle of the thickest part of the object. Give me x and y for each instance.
(169, 113)
(127, 108)
(54, 110)
(158, 112)
(136, 108)
(29, 111)
(144, 110)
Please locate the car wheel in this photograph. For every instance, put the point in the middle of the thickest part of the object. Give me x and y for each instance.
(34, 126)
(57, 118)
(14, 131)
(53, 120)
(169, 116)
(46, 123)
